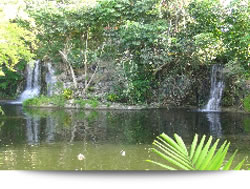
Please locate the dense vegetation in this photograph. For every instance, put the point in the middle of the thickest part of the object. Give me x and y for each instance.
(148, 45)
(246, 102)
(16, 44)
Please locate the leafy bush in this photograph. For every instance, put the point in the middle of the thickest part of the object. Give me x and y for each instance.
(13, 46)
(92, 102)
(31, 102)
(112, 97)
(15, 51)
(67, 94)
(1, 111)
(81, 102)
(200, 157)
(246, 124)
(246, 103)
(57, 100)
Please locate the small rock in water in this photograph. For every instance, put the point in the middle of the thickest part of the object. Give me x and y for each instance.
(123, 153)
(80, 157)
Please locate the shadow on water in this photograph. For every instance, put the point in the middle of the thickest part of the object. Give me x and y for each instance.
(52, 139)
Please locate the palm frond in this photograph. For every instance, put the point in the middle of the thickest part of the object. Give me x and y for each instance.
(202, 156)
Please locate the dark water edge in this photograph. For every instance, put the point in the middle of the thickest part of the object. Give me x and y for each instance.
(52, 138)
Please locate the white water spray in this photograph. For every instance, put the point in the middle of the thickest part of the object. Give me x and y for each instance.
(33, 80)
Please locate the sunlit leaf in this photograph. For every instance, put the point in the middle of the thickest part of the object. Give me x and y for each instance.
(203, 157)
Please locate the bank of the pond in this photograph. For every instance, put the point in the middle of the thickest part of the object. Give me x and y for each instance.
(90, 104)
(99, 106)
(58, 102)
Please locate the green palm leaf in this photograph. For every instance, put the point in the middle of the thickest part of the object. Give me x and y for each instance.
(229, 163)
(193, 146)
(202, 156)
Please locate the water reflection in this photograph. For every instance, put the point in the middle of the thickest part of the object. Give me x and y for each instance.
(32, 129)
(109, 140)
(34, 125)
(120, 127)
(50, 129)
(214, 124)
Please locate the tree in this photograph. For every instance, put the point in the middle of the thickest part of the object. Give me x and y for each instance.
(237, 34)
(70, 34)
(13, 46)
(149, 42)
(16, 44)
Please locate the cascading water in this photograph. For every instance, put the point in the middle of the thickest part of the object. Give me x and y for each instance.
(33, 86)
(50, 80)
(213, 106)
(217, 86)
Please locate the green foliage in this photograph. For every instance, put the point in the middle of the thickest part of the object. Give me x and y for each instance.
(31, 102)
(80, 102)
(207, 48)
(65, 28)
(112, 97)
(14, 36)
(246, 103)
(16, 46)
(17, 49)
(207, 15)
(142, 47)
(246, 124)
(201, 156)
(237, 34)
(57, 100)
(14, 53)
(67, 94)
(145, 41)
(92, 102)
(1, 111)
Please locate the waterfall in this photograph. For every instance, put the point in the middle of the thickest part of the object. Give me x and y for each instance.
(32, 81)
(50, 80)
(217, 86)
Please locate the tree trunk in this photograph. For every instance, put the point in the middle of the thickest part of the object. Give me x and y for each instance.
(88, 83)
(64, 55)
(85, 63)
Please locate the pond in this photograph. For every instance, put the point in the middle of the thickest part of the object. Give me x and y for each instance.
(70, 139)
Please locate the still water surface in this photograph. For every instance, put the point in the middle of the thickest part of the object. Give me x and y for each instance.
(68, 139)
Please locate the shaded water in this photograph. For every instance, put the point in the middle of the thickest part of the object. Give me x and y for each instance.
(52, 139)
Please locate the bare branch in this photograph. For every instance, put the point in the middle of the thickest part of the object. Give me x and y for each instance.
(91, 79)
(64, 55)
